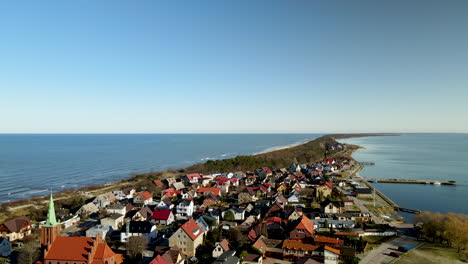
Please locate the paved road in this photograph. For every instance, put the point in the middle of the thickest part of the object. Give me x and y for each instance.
(380, 254)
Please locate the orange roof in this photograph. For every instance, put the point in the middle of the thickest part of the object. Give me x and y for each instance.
(306, 224)
(192, 229)
(103, 251)
(70, 248)
(214, 190)
(145, 195)
(334, 250)
(298, 245)
(328, 240)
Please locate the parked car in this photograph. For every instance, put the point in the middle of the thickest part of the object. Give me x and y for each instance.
(395, 254)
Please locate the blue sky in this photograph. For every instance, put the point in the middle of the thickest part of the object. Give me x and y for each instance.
(233, 66)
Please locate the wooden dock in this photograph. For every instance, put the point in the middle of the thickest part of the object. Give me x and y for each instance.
(407, 181)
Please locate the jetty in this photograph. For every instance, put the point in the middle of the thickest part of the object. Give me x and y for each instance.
(408, 181)
(391, 202)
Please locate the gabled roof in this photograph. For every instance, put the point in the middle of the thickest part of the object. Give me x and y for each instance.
(328, 240)
(214, 190)
(191, 176)
(15, 224)
(138, 227)
(224, 244)
(192, 229)
(70, 248)
(306, 224)
(161, 214)
(145, 195)
(299, 245)
(334, 250)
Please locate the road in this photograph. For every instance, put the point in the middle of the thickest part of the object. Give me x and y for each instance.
(381, 254)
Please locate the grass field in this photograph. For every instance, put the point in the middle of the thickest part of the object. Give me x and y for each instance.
(432, 254)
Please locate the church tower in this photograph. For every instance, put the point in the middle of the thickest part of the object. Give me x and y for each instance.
(51, 229)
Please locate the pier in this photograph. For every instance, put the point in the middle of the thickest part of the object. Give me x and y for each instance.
(407, 181)
(391, 202)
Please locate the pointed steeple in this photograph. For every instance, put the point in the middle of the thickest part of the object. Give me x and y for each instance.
(51, 219)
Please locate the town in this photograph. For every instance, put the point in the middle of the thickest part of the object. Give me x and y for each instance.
(306, 213)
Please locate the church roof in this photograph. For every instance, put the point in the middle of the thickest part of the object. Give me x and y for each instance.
(70, 248)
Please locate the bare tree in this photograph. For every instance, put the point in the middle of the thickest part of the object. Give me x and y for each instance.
(136, 245)
(29, 253)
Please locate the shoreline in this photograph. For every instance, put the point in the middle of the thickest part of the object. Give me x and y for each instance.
(37, 201)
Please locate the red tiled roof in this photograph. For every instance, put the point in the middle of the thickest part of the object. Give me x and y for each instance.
(192, 229)
(158, 183)
(298, 245)
(306, 224)
(145, 195)
(193, 175)
(329, 185)
(225, 245)
(334, 250)
(161, 214)
(70, 248)
(328, 240)
(213, 190)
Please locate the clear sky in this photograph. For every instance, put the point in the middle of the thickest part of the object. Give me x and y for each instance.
(233, 66)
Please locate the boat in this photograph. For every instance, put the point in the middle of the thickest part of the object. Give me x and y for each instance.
(437, 183)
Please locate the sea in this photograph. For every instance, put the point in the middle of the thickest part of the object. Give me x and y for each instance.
(422, 157)
(35, 164)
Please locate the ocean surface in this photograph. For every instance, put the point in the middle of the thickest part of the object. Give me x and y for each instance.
(32, 165)
(419, 156)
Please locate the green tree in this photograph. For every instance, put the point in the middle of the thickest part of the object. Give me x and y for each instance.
(29, 253)
(229, 216)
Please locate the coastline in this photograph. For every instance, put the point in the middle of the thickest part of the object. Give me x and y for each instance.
(39, 201)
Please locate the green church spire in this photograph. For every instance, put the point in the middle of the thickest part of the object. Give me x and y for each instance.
(51, 220)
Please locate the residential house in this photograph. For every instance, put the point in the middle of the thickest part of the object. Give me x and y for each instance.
(252, 259)
(170, 193)
(113, 220)
(192, 178)
(104, 200)
(205, 191)
(143, 214)
(239, 213)
(294, 197)
(305, 228)
(162, 216)
(178, 186)
(144, 197)
(331, 255)
(187, 238)
(297, 248)
(16, 228)
(5, 247)
(228, 257)
(184, 209)
(332, 207)
(165, 203)
(329, 241)
(99, 230)
(87, 209)
(330, 223)
(247, 195)
(125, 193)
(117, 209)
(220, 248)
(324, 190)
(138, 228)
(170, 256)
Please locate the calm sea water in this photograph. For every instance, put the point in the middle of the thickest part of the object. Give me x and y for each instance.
(30, 165)
(419, 156)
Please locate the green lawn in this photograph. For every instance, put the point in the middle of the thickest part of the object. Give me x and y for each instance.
(431, 254)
